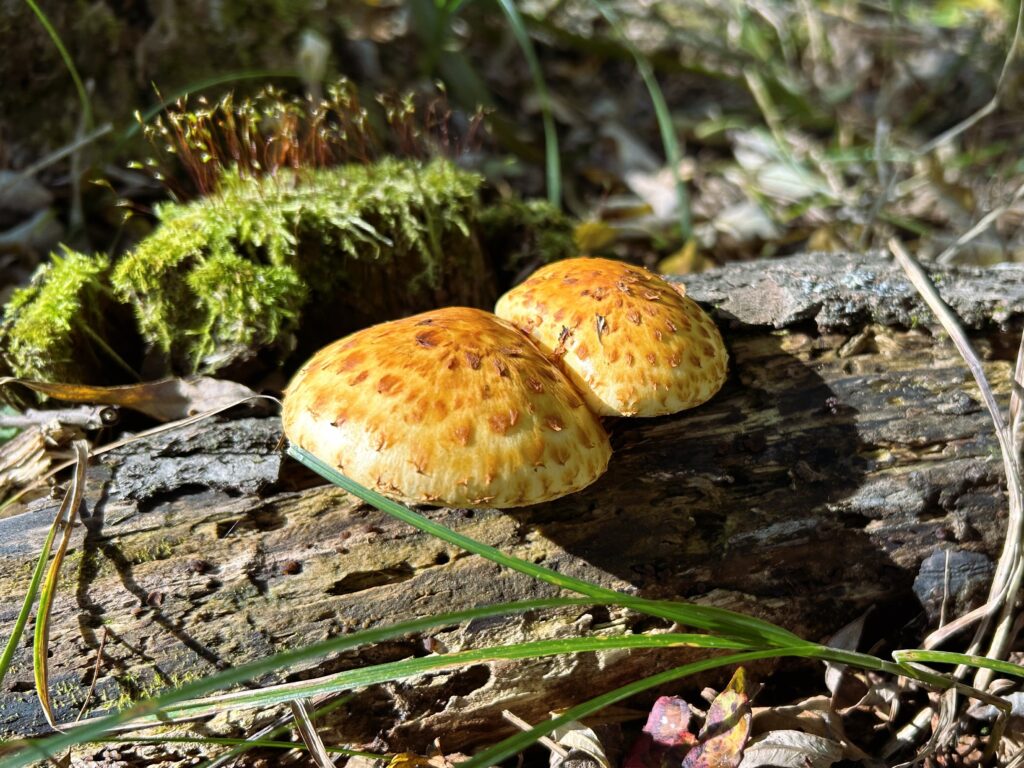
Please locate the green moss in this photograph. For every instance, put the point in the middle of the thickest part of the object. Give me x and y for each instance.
(265, 266)
(334, 248)
(61, 326)
(524, 234)
(161, 550)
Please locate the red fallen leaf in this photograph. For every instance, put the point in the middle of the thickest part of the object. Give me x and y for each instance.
(665, 737)
(726, 728)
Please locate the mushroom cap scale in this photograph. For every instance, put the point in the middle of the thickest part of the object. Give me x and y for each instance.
(631, 342)
(452, 407)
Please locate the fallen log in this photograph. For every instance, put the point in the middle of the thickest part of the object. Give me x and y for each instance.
(844, 467)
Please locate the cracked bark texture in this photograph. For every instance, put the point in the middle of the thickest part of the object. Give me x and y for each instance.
(846, 459)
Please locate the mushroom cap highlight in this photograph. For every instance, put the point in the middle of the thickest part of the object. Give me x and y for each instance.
(451, 407)
(631, 342)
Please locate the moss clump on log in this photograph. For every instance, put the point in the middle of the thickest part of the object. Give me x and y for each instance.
(65, 324)
(267, 266)
(237, 271)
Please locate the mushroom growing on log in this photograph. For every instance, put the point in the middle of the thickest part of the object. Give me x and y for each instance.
(846, 448)
(631, 342)
(452, 407)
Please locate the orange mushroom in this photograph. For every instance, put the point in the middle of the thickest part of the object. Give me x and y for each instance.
(451, 407)
(631, 342)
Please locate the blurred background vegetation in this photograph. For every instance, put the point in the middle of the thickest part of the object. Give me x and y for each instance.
(677, 133)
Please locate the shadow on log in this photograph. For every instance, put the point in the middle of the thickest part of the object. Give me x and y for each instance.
(847, 448)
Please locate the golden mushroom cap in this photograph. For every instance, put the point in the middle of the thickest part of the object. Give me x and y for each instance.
(452, 407)
(630, 342)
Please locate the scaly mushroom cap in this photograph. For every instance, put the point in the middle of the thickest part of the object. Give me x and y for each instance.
(630, 341)
(452, 407)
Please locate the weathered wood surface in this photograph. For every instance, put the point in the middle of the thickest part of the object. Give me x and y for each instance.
(847, 448)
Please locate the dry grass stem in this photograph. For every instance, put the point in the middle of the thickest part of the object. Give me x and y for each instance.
(307, 730)
(983, 224)
(95, 676)
(1009, 571)
(552, 745)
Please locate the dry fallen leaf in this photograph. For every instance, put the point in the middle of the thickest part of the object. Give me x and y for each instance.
(666, 735)
(687, 260)
(593, 235)
(791, 749)
(848, 639)
(726, 728)
(22, 459)
(584, 748)
(164, 400)
(814, 716)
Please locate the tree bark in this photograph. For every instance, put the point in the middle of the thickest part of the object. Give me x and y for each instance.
(846, 459)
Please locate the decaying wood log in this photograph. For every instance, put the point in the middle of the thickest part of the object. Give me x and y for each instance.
(847, 454)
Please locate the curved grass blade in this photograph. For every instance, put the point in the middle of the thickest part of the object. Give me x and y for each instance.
(727, 624)
(41, 641)
(28, 752)
(83, 96)
(1009, 574)
(753, 631)
(967, 659)
(516, 743)
(33, 589)
(552, 161)
(673, 153)
(405, 668)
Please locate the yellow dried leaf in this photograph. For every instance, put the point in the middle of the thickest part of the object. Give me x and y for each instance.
(687, 260)
(409, 760)
(593, 235)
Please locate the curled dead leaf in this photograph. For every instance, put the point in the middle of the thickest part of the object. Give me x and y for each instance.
(164, 400)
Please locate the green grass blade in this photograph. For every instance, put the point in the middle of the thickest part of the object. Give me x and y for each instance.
(83, 96)
(552, 159)
(30, 596)
(933, 679)
(753, 631)
(948, 657)
(673, 154)
(31, 751)
(234, 742)
(41, 641)
(405, 668)
(520, 741)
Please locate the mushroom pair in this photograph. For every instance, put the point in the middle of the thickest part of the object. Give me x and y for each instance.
(460, 407)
